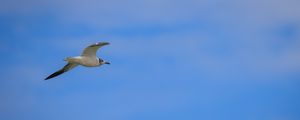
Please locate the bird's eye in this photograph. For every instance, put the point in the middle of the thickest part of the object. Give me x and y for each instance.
(100, 60)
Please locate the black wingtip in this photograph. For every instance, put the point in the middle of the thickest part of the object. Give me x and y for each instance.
(102, 43)
(55, 74)
(49, 77)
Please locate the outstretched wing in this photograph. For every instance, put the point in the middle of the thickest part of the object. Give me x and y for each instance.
(66, 68)
(92, 49)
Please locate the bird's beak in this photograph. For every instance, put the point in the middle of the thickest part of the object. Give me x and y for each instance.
(107, 63)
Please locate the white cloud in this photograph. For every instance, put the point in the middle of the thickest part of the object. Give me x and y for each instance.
(238, 27)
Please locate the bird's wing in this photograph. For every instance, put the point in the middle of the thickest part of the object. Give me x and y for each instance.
(66, 68)
(92, 49)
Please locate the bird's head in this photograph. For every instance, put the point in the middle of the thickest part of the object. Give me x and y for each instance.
(101, 62)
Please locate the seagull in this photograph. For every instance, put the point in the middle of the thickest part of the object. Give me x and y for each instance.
(88, 58)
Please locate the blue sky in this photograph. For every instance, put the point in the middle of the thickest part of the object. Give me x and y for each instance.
(170, 60)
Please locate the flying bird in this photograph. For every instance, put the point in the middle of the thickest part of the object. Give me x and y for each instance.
(88, 58)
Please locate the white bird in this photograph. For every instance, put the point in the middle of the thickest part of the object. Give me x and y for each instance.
(88, 58)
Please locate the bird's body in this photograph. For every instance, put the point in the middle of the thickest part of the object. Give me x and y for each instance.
(84, 61)
(88, 58)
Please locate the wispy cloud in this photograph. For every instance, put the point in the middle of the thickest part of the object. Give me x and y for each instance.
(168, 56)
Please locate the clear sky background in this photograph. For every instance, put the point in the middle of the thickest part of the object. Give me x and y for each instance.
(170, 60)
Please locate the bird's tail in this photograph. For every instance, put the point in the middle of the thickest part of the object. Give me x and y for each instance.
(67, 59)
